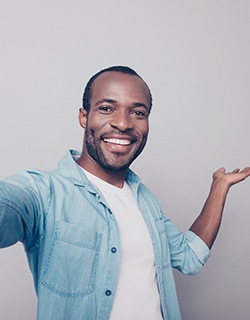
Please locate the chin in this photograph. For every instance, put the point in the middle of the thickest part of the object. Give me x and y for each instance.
(115, 168)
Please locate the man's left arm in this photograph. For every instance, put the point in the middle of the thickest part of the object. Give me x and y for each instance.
(207, 225)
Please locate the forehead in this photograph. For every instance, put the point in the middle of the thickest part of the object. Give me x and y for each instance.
(120, 86)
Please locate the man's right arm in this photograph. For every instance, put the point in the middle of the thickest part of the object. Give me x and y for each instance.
(11, 225)
(21, 207)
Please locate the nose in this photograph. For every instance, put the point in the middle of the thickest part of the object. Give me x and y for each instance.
(121, 120)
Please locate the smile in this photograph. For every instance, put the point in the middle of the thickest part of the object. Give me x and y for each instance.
(122, 142)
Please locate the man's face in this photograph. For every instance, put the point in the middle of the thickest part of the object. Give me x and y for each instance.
(116, 127)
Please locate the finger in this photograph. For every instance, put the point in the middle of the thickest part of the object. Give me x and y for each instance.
(246, 171)
(236, 170)
(218, 172)
(221, 170)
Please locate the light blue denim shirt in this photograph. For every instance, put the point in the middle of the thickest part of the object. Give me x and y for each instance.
(72, 241)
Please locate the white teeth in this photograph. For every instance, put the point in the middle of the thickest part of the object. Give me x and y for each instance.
(118, 141)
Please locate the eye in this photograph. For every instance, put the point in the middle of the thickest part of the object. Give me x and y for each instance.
(105, 109)
(140, 113)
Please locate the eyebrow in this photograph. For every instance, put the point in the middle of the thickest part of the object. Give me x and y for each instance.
(106, 100)
(140, 104)
(112, 101)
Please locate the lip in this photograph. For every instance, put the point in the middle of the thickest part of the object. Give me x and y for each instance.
(123, 139)
(118, 143)
(121, 142)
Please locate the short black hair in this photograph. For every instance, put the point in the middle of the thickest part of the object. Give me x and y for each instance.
(88, 89)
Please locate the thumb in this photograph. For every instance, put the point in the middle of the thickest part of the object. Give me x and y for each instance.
(222, 170)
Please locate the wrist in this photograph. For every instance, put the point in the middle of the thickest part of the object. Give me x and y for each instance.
(220, 185)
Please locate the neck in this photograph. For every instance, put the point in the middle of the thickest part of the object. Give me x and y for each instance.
(116, 178)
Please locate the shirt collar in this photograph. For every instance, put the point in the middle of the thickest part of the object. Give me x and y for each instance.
(68, 167)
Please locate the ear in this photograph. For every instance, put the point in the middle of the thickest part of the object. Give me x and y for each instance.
(82, 117)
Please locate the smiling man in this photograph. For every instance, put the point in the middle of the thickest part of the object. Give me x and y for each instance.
(116, 125)
(97, 242)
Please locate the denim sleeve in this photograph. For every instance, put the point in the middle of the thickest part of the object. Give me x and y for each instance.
(23, 201)
(187, 251)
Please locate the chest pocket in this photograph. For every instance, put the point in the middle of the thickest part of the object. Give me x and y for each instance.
(71, 265)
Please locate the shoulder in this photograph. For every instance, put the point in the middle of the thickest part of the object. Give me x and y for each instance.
(143, 192)
(149, 195)
(28, 181)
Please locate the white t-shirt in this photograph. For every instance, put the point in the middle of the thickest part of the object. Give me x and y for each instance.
(137, 296)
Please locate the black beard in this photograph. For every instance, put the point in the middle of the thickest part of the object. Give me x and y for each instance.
(96, 153)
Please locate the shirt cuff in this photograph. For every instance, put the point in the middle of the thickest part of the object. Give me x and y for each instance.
(198, 246)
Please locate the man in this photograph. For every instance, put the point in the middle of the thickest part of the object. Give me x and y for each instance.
(98, 245)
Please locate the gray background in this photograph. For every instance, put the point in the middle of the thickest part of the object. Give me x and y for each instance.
(195, 57)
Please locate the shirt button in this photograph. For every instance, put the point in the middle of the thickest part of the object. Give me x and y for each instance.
(113, 250)
(108, 293)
